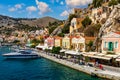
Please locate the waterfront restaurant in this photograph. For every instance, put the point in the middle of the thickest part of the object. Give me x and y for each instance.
(110, 43)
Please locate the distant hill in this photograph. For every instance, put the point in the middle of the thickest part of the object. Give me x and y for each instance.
(8, 24)
(41, 22)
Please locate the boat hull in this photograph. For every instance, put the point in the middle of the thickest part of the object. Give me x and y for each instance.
(21, 56)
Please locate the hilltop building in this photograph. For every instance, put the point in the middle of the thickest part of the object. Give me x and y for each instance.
(75, 24)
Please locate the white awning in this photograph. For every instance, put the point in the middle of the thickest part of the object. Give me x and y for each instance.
(114, 56)
(42, 47)
(73, 52)
(99, 57)
(118, 59)
(63, 50)
(50, 48)
(39, 46)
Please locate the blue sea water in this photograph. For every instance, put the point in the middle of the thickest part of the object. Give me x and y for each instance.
(37, 69)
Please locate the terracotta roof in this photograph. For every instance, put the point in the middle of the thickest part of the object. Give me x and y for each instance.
(117, 33)
(71, 37)
(57, 37)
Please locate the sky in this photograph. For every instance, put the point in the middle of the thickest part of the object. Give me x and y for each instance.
(59, 9)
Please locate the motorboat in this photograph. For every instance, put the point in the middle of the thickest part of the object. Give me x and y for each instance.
(22, 54)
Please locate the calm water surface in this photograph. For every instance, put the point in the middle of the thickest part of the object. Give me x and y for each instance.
(36, 69)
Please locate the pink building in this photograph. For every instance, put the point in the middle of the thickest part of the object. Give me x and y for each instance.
(50, 41)
(111, 42)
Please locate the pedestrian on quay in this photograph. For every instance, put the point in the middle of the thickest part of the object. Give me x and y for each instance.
(101, 66)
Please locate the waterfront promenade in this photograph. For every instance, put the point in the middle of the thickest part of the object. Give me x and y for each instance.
(108, 73)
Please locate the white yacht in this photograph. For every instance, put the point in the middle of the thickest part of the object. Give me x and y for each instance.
(22, 54)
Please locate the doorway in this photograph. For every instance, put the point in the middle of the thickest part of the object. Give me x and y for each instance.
(110, 46)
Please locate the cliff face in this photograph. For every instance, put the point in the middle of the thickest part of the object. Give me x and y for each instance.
(111, 24)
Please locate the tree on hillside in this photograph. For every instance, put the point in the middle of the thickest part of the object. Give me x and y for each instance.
(118, 1)
(66, 28)
(71, 16)
(87, 21)
(89, 46)
(113, 2)
(97, 3)
(97, 27)
(61, 34)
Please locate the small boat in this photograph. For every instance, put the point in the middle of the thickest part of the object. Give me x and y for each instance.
(22, 54)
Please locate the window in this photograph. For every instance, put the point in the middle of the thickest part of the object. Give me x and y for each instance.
(116, 44)
(105, 44)
(72, 24)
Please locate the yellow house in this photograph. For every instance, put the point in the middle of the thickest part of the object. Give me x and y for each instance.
(58, 41)
(66, 42)
(75, 24)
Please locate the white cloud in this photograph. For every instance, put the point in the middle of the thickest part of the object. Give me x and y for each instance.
(12, 9)
(62, 3)
(16, 7)
(43, 7)
(64, 13)
(31, 9)
(76, 3)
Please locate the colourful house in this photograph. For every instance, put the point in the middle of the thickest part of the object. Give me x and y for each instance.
(66, 42)
(50, 41)
(78, 43)
(58, 41)
(110, 42)
(75, 24)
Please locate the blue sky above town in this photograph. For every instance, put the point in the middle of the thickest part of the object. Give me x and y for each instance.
(40, 8)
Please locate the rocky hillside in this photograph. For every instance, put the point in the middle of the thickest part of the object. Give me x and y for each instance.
(111, 24)
(41, 22)
(9, 24)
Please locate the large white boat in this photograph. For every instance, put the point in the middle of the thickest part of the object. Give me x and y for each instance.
(22, 54)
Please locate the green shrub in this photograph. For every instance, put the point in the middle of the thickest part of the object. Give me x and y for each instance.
(87, 21)
(33, 46)
(56, 50)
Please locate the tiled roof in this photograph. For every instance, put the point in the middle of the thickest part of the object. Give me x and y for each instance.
(57, 37)
(117, 33)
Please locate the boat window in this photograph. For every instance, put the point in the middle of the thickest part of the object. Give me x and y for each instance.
(24, 52)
